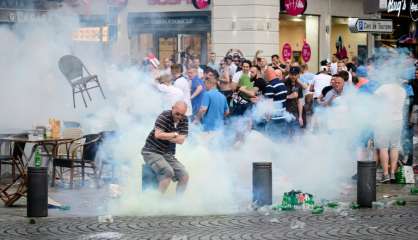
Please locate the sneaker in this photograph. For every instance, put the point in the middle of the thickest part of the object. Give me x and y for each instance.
(385, 179)
(392, 178)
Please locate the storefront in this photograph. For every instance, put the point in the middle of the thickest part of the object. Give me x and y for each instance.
(174, 35)
(404, 20)
(296, 32)
(323, 25)
(345, 44)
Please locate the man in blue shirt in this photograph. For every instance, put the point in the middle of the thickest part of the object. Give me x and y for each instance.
(213, 109)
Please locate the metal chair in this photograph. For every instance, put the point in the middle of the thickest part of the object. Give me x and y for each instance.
(15, 153)
(71, 160)
(73, 70)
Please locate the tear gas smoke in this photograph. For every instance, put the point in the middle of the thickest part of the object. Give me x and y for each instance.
(32, 89)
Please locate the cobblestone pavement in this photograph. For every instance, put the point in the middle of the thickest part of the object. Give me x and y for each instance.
(391, 223)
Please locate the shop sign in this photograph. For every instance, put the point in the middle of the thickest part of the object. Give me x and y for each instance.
(201, 4)
(287, 52)
(396, 6)
(168, 2)
(33, 17)
(295, 7)
(370, 25)
(306, 52)
(413, 10)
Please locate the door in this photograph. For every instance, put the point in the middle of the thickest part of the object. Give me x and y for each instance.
(167, 47)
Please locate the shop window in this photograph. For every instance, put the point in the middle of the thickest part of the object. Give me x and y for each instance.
(294, 30)
(343, 41)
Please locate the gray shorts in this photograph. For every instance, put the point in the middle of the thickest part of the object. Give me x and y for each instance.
(165, 165)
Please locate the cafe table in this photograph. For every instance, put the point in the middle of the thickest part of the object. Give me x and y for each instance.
(11, 192)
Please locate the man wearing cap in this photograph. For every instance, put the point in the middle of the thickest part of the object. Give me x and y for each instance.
(294, 102)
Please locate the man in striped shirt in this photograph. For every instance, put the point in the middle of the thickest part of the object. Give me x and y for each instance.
(171, 128)
(276, 91)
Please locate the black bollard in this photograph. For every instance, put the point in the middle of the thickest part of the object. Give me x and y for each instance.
(37, 197)
(366, 183)
(262, 184)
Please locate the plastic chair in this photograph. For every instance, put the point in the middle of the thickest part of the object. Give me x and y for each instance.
(73, 70)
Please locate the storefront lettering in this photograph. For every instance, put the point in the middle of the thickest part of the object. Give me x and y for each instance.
(413, 10)
(396, 6)
(168, 2)
(171, 21)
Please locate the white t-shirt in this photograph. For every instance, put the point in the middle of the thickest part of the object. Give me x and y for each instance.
(184, 85)
(334, 68)
(232, 69)
(319, 82)
(171, 95)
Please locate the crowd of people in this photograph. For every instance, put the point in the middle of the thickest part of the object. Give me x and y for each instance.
(217, 92)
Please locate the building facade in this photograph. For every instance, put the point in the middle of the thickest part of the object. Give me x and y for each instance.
(175, 29)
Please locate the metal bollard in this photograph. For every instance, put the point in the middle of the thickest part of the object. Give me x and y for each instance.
(366, 183)
(262, 183)
(37, 196)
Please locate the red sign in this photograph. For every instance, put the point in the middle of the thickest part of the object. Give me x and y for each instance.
(295, 7)
(201, 4)
(306, 52)
(287, 52)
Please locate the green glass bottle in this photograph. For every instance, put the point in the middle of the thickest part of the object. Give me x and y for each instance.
(399, 176)
(38, 158)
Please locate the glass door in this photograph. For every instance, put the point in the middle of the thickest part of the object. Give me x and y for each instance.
(189, 45)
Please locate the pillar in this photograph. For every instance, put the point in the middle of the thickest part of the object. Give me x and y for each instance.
(312, 25)
(247, 25)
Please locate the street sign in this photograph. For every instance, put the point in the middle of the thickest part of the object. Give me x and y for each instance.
(370, 25)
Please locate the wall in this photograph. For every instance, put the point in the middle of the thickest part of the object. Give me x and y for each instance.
(248, 25)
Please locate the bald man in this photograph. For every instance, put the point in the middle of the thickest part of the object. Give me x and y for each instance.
(171, 128)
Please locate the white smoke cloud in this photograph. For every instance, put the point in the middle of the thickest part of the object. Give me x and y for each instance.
(32, 89)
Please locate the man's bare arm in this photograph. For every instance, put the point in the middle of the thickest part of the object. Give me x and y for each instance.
(161, 135)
